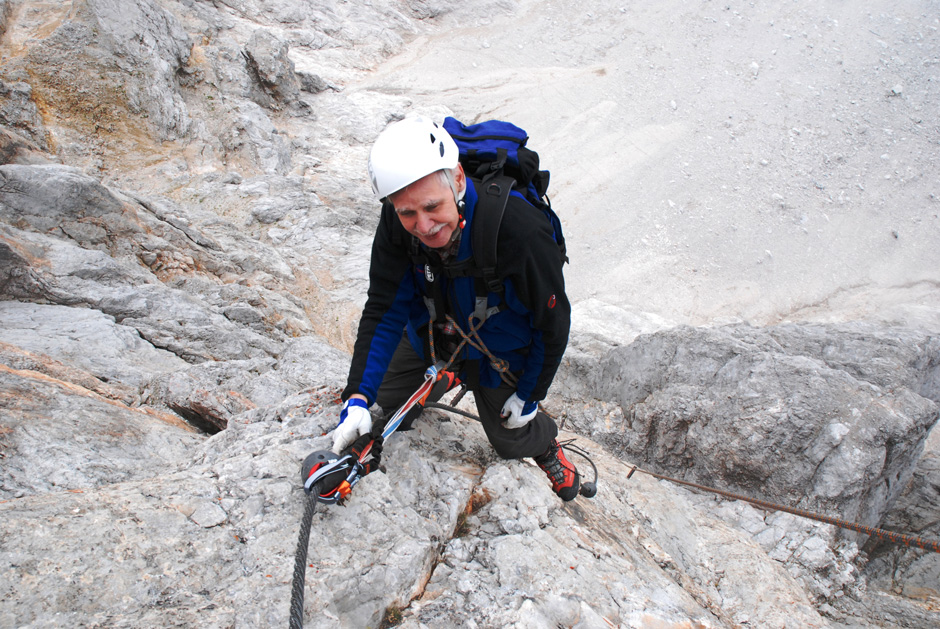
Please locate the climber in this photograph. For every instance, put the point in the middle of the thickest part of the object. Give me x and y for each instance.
(423, 298)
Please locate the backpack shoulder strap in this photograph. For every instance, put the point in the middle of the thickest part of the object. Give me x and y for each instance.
(488, 216)
(492, 197)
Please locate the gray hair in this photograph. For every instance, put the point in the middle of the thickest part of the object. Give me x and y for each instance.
(448, 177)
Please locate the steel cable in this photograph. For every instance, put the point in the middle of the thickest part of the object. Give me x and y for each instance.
(891, 536)
(300, 562)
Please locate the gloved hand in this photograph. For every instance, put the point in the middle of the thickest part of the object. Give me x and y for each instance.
(518, 411)
(375, 453)
(354, 420)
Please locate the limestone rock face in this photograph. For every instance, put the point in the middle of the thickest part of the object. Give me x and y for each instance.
(22, 124)
(87, 339)
(5, 9)
(56, 436)
(268, 61)
(516, 535)
(185, 228)
(114, 254)
(110, 63)
(215, 542)
(912, 571)
(792, 413)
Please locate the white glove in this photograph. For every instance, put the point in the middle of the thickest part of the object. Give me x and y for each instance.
(355, 420)
(518, 411)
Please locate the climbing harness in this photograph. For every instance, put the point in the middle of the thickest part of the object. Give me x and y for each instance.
(889, 536)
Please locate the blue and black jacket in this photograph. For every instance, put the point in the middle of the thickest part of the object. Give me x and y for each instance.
(530, 331)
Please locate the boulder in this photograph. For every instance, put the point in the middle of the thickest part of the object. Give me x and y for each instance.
(270, 65)
(734, 408)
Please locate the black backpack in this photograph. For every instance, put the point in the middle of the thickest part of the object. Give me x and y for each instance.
(495, 156)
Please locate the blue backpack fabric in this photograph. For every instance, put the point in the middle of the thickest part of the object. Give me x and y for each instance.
(495, 153)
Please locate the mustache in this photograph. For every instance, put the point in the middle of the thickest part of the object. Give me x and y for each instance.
(433, 231)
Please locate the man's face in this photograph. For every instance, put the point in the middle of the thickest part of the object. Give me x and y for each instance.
(427, 209)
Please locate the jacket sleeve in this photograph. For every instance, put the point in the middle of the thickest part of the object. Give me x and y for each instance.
(391, 292)
(535, 270)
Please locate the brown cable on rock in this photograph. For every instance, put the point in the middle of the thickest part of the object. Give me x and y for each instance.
(890, 536)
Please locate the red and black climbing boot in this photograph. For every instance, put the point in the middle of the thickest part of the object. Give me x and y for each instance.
(564, 476)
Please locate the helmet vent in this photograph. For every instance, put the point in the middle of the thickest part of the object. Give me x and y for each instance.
(433, 139)
(442, 149)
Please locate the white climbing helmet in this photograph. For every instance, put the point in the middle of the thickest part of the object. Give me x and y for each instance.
(408, 150)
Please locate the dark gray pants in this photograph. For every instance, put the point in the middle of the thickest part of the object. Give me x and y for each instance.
(406, 373)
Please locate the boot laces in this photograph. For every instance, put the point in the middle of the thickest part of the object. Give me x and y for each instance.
(555, 465)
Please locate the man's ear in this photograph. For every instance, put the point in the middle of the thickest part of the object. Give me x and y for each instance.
(460, 179)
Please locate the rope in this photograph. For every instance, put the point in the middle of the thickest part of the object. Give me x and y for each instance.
(472, 338)
(300, 562)
(890, 536)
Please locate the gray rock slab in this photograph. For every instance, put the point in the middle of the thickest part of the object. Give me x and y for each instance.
(42, 268)
(87, 339)
(56, 436)
(523, 558)
(156, 234)
(887, 356)
(215, 542)
(17, 358)
(211, 393)
(173, 558)
(731, 407)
